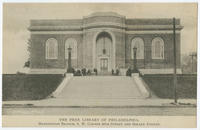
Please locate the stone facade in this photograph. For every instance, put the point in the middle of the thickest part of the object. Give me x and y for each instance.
(120, 30)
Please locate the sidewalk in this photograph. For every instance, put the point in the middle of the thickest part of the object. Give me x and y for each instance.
(59, 102)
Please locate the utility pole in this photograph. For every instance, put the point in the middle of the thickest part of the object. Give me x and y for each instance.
(174, 75)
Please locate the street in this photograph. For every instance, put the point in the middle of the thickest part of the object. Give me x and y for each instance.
(109, 111)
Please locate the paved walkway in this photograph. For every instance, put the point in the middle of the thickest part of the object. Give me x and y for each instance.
(101, 87)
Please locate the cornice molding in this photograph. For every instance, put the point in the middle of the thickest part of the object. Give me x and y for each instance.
(104, 25)
(152, 27)
(110, 29)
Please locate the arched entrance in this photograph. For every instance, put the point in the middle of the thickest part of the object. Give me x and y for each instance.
(104, 52)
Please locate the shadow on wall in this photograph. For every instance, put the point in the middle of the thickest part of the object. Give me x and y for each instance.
(162, 85)
(29, 87)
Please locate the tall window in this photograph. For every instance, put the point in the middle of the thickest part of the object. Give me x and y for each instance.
(51, 48)
(72, 43)
(104, 45)
(139, 44)
(157, 48)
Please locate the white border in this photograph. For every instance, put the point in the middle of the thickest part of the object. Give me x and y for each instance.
(1, 58)
(96, 1)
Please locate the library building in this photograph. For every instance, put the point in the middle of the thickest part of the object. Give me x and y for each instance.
(103, 41)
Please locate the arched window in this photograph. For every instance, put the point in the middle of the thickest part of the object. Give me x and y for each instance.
(157, 48)
(104, 42)
(139, 44)
(51, 48)
(72, 43)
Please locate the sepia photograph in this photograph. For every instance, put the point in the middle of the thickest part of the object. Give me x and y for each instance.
(99, 65)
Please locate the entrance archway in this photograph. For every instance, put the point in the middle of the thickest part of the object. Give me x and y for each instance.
(104, 52)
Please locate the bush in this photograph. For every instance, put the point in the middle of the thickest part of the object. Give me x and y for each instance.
(129, 72)
(27, 64)
(70, 70)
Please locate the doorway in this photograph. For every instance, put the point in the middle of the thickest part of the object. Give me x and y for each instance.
(104, 65)
(104, 52)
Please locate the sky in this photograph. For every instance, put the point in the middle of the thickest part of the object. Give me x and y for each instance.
(16, 17)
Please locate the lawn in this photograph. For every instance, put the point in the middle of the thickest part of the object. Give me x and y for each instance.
(29, 87)
(162, 85)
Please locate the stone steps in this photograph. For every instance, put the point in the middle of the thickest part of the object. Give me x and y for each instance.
(101, 87)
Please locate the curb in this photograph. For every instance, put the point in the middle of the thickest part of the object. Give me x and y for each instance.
(117, 106)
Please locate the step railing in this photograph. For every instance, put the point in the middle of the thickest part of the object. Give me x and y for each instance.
(140, 84)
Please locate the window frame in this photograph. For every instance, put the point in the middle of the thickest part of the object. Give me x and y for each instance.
(47, 48)
(141, 43)
(162, 48)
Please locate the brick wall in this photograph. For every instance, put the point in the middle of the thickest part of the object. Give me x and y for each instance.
(148, 62)
(85, 50)
(38, 59)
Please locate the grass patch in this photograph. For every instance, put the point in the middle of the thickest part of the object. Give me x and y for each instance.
(29, 87)
(162, 85)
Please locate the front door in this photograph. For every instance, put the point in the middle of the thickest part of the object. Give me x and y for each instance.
(104, 65)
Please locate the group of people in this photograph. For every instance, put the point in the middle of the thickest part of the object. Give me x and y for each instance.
(83, 72)
(88, 72)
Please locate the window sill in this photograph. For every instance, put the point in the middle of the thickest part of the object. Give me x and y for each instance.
(52, 59)
(157, 58)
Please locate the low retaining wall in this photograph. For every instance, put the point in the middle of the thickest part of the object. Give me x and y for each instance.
(47, 71)
(29, 86)
(162, 85)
